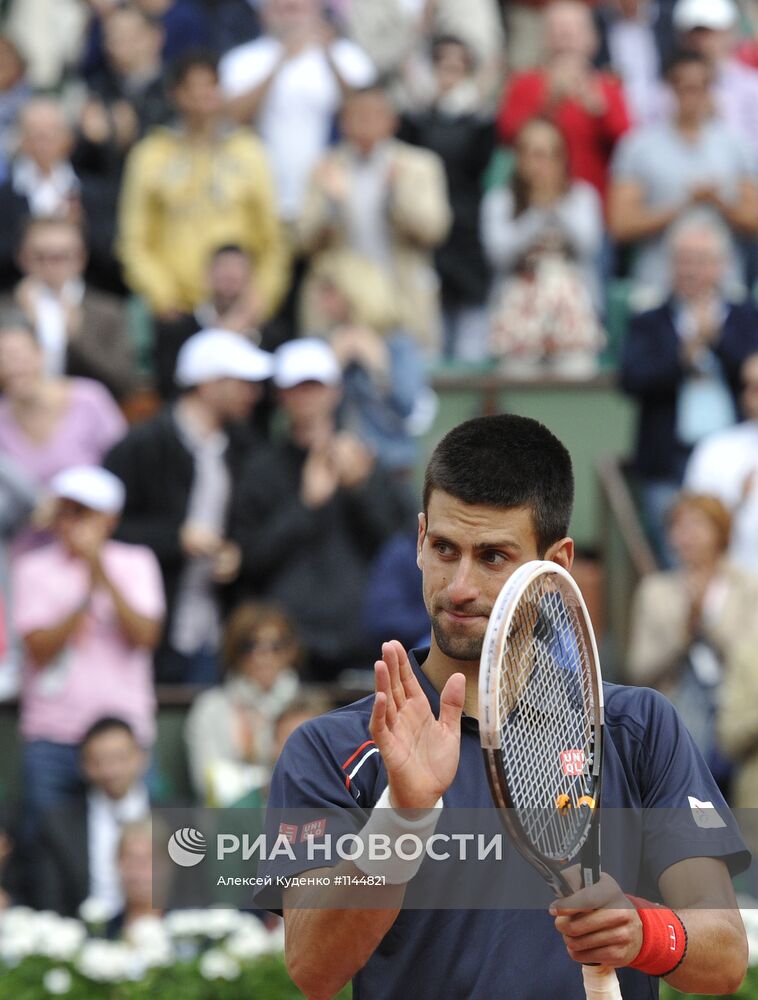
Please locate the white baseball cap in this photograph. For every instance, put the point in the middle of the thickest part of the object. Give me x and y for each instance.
(90, 486)
(307, 359)
(718, 15)
(212, 354)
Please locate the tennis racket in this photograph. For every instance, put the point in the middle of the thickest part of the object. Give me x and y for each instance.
(541, 726)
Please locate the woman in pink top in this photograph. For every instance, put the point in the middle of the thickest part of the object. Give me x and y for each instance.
(49, 423)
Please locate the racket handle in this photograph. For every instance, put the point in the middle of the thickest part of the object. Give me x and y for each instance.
(600, 983)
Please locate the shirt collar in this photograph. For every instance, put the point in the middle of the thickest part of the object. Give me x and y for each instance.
(417, 658)
(132, 806)
(215, 443)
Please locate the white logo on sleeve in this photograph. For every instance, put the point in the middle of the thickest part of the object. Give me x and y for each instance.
(705, 815)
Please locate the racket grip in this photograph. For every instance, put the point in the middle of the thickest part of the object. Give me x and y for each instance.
(600, 983)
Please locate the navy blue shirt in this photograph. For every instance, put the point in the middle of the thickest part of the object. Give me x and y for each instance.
(650, 763)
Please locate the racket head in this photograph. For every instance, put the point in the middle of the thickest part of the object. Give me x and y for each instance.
(541, 716)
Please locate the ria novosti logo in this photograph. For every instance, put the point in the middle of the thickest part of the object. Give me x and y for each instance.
(187, 847)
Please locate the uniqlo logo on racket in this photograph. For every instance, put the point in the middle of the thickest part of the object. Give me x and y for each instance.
(288, 830)
(316, 828)
(572, 761)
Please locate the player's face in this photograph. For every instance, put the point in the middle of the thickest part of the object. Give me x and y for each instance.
(466, 552)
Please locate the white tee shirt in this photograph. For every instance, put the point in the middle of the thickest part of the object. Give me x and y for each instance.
(297, 112)
(720, 466)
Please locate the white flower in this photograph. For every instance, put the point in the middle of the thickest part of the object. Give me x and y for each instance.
(106, 961)
(60, 939)
(215, 964)
(151, 943)
(248, 943)
(18, 945)
(57, 981)
(187, 923)
(95, 911)
(15, 918)
(145, 931)
(220, 922)
(159, 954)
(749, 914)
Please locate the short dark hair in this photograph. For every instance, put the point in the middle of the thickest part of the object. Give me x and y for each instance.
(229, 248)
(183, 65)
(440, 42)
(684, 57)
(107, 724)
(507, 461)
(149, 20)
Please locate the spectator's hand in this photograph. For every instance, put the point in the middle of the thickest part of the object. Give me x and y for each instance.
(227, 562)
(94, 122)
(704, 194)
(567, 77)
(320, 477)
(707, 318)
(86, 538)
(331, 177)
(599, 925)
(196, 541)
(101, 8)
(125, 124)
(696, 584)
(352, 460)
(420, 753)
(748, 485)
(592, 96)
(244, 315)
(26, 295)
(707, 315)
(243, 734)
(74, 319)
(428, 17)
(324, 34)
(44, 513)
(362, 346)
(74, 209)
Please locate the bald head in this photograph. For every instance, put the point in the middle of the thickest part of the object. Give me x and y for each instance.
(699, 249)
(45, 135)
(569, 30)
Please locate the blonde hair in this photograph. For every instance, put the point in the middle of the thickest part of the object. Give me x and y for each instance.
(711, 507)
(363, 284)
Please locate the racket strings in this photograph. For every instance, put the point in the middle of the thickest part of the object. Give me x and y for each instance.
(546, 702)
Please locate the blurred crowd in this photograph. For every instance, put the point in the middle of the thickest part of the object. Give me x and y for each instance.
(239, 237)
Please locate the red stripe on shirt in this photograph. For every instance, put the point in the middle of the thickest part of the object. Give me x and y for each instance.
(352, 757)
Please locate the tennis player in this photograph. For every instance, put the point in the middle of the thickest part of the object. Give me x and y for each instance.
(499, 492)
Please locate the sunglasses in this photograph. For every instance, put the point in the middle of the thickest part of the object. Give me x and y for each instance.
(256, 646)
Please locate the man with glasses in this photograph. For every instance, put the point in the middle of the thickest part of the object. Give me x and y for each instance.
(82, 331)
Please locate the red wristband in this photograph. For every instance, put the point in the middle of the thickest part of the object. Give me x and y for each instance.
(664, 939)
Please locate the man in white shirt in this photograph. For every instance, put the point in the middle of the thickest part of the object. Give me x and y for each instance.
(290, 83)
(725, 464)
(76, 854)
